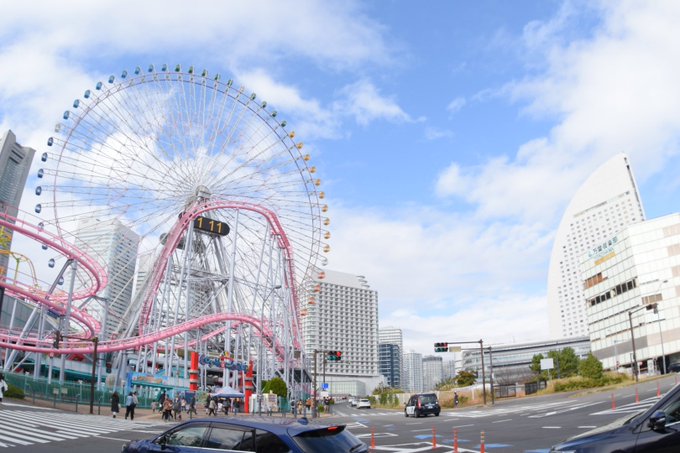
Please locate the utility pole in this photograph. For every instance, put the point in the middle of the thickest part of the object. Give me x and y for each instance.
(314, 387)
(481, 352)
(95, 342)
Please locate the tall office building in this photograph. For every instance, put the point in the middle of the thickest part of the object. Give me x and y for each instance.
(632, 283)
(607, 202)
(15, 163)
(412, 380)
(116, 246)
(390, 340)
(433, 372)
(389, 364)
(449, 369)
(344, 317)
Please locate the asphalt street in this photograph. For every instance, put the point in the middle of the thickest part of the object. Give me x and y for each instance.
(529, 425)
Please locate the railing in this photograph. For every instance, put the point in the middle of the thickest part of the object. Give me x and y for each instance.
(69, 394)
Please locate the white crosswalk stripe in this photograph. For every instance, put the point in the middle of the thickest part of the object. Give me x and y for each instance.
(630, 408)
(23, 427)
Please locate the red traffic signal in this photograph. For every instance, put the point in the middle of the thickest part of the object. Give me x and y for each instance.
(334, 356)
(441, 347)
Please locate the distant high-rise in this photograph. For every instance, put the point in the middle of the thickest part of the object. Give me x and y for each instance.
(390, 355)
(116, 246)
(344, 317)
(607, 202)
(412, 380)
(433, 371)
(449, 369)
(15, 163)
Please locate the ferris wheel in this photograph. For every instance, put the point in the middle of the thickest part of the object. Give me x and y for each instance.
(204, 181)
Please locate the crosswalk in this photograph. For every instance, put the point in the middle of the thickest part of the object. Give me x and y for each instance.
(530, 410)
(21, 427)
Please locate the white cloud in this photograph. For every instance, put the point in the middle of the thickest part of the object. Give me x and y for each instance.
(456, 105)
(614, 92)
(364, 102)
(433, 133)
(48, 49)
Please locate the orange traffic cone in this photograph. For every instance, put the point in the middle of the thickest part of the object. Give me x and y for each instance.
(455, 441)
(481, 447)
(434, 437)
(372, 438)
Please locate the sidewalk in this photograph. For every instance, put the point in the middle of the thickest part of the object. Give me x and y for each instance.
(141, 414)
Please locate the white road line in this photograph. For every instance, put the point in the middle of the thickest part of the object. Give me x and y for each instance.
(502, 421)
(551, 427)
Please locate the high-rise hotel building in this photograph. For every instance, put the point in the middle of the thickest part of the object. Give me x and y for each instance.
(15, 163)
(607, 202)
(343, 317)
(116, 246)
(390, 347)
(412, 380)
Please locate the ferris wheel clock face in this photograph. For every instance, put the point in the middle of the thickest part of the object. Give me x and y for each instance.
(141, 147)
(211, 226)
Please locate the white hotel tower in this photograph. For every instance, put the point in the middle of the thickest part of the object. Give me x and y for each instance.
(344, 318)
(116, 246)
(607, 202)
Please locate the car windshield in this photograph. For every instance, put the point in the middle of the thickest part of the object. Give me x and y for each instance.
(333, 438)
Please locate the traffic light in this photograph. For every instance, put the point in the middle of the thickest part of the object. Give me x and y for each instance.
(57, 340)
(334, 356)
(441, 347)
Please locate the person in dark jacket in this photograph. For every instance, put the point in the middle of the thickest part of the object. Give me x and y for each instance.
(115, 404)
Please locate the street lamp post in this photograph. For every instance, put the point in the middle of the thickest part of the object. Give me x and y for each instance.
(260, 373)
(663, 353)
(632, 339)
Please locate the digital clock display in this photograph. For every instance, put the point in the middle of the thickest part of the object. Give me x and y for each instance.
(211, 226)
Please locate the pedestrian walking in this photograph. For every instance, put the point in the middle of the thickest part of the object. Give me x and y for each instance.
(177, 408)
(455, 399)
(129, 407)
(211, 407)
(3, 386)
(192, 406)
(115, 404)
(167, 409)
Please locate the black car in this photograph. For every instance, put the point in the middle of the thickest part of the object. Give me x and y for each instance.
(422, 404)
(654, 430)
(263, 435)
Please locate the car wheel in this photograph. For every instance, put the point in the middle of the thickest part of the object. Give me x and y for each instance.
(416, 413)
(436, 414)
(405, 413)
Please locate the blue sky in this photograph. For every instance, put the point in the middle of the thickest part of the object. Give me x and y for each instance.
(449, 135)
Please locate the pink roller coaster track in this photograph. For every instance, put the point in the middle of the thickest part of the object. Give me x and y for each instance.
(84, 346)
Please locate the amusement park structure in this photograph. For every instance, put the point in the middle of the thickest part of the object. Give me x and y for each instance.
(224, 222)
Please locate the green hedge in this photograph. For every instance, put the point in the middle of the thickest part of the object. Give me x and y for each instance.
(14, 392)
(580, 383)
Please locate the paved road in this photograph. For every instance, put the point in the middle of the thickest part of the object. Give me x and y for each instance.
(529, 425)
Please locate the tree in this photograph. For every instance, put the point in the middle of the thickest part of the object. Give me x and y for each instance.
(276, 385)
(465, 378)
(591, 367)
(536, 363)
(566, 362)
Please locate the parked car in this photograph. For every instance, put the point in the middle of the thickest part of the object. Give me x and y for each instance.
(353, 402)
(655, 430)
(364, 402)
(422, 404)
(251, 434)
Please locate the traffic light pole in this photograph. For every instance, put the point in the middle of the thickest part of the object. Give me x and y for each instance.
(443, 347)
(314, 386)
